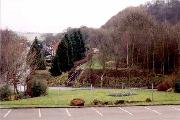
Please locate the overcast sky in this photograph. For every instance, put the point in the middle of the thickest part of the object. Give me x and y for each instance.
(57, 15)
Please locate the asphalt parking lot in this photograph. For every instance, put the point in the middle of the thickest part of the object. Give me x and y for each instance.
(171, 112)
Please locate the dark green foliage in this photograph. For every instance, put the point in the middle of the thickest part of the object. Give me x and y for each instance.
(117, 102)
(78, 45)
(177, 84)
(177, 87)
(5, 93)
(38, 88)
(108, 103)
(55, 68)
(63, 59)
(148, 100)
(70, 49)
(35, 56)
(97, 102)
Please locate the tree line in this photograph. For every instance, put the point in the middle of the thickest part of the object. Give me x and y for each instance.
(137, 39)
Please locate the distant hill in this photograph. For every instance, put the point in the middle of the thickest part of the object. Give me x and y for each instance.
(116, 19)
(162, 11)
(31, 35)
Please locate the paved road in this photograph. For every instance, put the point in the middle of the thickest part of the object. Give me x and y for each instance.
(96, 113)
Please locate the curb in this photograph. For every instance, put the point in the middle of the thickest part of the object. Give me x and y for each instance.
(26, 107)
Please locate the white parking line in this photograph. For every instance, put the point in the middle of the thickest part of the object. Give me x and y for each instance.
(155, 111)
(98, 112)
(7, 114)
(39, 113)
(126, 111)
(175, 108)
(68, 113)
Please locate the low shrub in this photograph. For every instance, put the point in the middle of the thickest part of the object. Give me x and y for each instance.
(107, 103)
(131, 102)
(77, 102)
(163, 86)
(5, 93)
(22, 95)
(177, 84)
(148, 100)
(38, 88)
(117, 102)
(97, 102)
(167, 83)
(177, 87)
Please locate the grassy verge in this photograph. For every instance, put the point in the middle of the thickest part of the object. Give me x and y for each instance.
(62, 98)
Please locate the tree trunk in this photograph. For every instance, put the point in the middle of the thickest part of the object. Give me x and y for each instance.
(153, 62)
(147, 58)
(127, 57)
(133, 54)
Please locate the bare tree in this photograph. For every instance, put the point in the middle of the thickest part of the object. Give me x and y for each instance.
(13, 61)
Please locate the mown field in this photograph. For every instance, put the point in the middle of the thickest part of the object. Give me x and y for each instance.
(62, 98)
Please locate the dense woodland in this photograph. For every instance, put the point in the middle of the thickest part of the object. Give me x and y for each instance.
(145, 37)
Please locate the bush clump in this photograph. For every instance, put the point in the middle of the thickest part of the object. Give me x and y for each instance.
(107, 103)
(38, 88)
(177, 84)
(164, 86)
(97, 102)
(77, 102)
(177, 87)
(5, 93)
(167, 83)
(117, 102)
(148, 100)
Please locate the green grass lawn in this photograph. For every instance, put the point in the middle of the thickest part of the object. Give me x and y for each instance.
(62, 98)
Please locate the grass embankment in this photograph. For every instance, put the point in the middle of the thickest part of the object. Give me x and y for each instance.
(62, 98)
(93, 63)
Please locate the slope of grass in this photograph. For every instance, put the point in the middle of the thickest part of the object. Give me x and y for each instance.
(63, 97)
(94, 63)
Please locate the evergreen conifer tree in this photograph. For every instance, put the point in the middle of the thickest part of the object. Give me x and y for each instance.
(63, 59)
(35, 56)
(70, 50)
